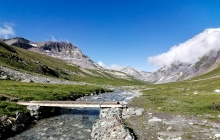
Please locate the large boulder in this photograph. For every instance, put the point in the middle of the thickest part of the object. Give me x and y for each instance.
(21, 118)
(126, 113)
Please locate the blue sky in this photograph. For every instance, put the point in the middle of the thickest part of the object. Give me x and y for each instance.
(121, 32)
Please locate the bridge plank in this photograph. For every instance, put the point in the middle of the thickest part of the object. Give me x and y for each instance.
(72, 104)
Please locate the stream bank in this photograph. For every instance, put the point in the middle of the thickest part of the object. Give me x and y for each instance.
(73, 123)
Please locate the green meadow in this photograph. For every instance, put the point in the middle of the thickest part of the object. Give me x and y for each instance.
(34, 91)
(186, 97)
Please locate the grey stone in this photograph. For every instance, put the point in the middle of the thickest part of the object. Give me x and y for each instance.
(126, 113)
(3, 77)
(27, 81)
(139, 111)
(169, 128)
(130, 111)
(34, 108)
(22, 118)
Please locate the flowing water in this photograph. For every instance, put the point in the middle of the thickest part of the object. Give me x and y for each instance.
(73, 123)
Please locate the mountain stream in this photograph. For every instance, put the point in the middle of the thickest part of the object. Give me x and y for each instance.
(73, 123)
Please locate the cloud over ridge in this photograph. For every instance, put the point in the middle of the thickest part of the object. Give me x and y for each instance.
(190, 51)
(113, 66)
(6, 31)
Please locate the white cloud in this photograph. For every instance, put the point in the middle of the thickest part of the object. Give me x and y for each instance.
(100, 63)
(53, 38)
(6, 31)
(190, 51)
(116, 67)
(113, 66)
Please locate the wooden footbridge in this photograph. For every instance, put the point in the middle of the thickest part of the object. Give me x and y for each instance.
(72, 104)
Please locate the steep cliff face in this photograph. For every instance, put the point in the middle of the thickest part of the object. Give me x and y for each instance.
(62, 50)
(67, 52)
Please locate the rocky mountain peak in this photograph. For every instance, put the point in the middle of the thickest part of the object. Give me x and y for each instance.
(59, 46)
(141, 75)
(129, 69)
(62, 50)
(19, 42)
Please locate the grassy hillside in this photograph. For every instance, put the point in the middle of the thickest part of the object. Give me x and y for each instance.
(21, 59)
(186, 97)
(212, 74)
(35, 63)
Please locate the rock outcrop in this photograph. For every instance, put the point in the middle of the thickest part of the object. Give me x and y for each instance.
(10, 74)
(65, 51)
(61, 50)
(110, 126)
(10, 126)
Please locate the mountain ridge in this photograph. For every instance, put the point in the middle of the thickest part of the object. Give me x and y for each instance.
(203, 50)
(25, 65)
(61, 50)
(201, 56)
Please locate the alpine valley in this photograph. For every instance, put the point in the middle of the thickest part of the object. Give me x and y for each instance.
(180, 100)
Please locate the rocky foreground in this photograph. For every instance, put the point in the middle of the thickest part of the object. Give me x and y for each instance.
(164, 126)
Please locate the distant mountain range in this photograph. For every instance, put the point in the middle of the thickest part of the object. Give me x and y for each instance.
(197, 56)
